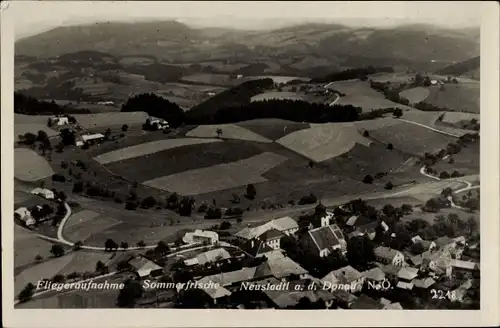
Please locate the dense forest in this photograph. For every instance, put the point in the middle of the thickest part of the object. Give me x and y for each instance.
(353, 73)
(32, 106)
(158, 72)
(155, 106)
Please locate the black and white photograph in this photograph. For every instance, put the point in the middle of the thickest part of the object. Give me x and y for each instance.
(254, 156)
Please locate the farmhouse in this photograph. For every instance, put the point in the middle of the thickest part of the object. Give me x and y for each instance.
(374, 275)
(285, 225)
(256, 248)
(388, 255)
(157, 124)
(90, 139)
(59, 120)
(105, 103)
(324, 240)
(464, 265)
(210, 256)
(280, 268)
(201, 236)
(45, 193)
(424, 283)
(144, 267)
(23, 214)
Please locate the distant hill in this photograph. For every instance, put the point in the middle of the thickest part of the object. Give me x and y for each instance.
(415, 46)
(468, 68)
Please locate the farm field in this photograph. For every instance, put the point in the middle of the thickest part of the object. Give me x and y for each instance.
(146, 149)
(84, 261)
(46, 269)
(20, 129)
(87, 224)
(136, 60)
(415, 95)
(89, 121)
(277, 78)
(467, 161)
(456, 117)
(323, 141)
(229, 131)
(24, 243)
(375, 124)
(276, 95)
(31, 119)
(210, 79)
(219, 177)
(273, 129)
(412, 138)
(456, 97)
(427, 190)
(396, 77)
(431, 119)
(29, 166)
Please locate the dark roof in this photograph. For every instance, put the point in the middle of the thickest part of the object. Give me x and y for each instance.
(369, 227)
(366, 303)
(326, 237)
(259, 247)
(271, 234)
(362, 220)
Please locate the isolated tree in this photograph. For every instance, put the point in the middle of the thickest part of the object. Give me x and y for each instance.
(131, 206)
(67, 137)
(444, 175)
(38, 258)
(77, 246)
(451, 160)
(141, 243)
(388, 210)
(173, 201)
(101, 268)
(471, 225)
(27, 292)
(124, 128)
(110, 244)
(162, 248)
(366, 134)
(455, 174)
(388, 185)
(236, 199)
(219, 132)
(124, 245)
(225, 225)
(251, 192)
(148, 202)
(472, 204)
(406, 208)
(57, 250)
(390, 146)
(186, 206)
(368, 179)
(397, 112)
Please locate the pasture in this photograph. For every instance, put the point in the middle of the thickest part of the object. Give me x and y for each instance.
(84, 261)
(136, 60)
(467, 161)
(29, 166)
(99, 120)
(27, 245)
(210, 79)
(148, 148)
(323, 141)
(277, 96)
(456, 97)
(457, 117)
(412, 138)
(229, 131)
(375, 124)
(415, 95)
(273, 129)
(219, 177)
(21, 129)
(87, 224)
(396, 77)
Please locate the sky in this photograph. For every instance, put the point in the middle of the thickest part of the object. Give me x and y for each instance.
(33, 17)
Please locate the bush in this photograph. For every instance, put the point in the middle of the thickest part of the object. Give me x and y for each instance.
(148, 202)
(213, 213)
(203, 208)
(451, 160)
(131, 206)
(444, 175)
(225, 225)
(124, 127)
(251, 192)
(455, 174)
(58, 177)
(366, 134)
(118, 200)
(309, 199)
(78, 187)
(368, 179)
(141, 243)
(390, 146)
(397, 113)
(233, 211)
(389, 185)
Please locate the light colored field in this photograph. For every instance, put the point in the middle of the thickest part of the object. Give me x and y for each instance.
(81, 217)
(368, 103)
(98, 120)
(276, 95)
(31, 119)
(219, 177)
(375, 124)
(425, 191)
(88, 227)
(324, 141)
(412, 138)
(229, 131)
(84, 261)
(27, 245)
(277, 79)
(149, 148)
(32, 128)
(397, 77)
(214, 79)
(29, 166)
(136, 61)
(430, 118)
(44, 270)
(455, 117)
(415, 95)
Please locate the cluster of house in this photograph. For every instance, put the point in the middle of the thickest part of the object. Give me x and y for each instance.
(59, 120)
(23, 214)
(157, 124)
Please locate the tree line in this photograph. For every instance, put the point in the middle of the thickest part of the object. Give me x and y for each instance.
(353, 73)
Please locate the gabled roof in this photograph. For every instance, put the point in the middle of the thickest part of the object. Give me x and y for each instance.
(358, 220)
(327, 237)
(271, 234)
(205, 233)
(384, 301)
(443, 241)
(405, 285)
(259, 248)
(22, 211)
(408, 273)
(424, 283)
(386, 252)
(365, 302)
(230, 278)
(213, 255)
(469, 265)
(280, 224)
(374, 274)
(279, 268)
(344, 296)
(343, 275)
(390, 269)
(142, 263)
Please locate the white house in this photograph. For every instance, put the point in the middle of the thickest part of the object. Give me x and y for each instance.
(23, 214)
(286, 225)
(388, 255)
(45, 193)
(105, 103)
(144, 267)
(212, 255)
(90, 138)
(201, 236)
(59, 120)
(161, 124)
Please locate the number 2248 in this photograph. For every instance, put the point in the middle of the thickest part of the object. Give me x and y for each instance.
(441, 295)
